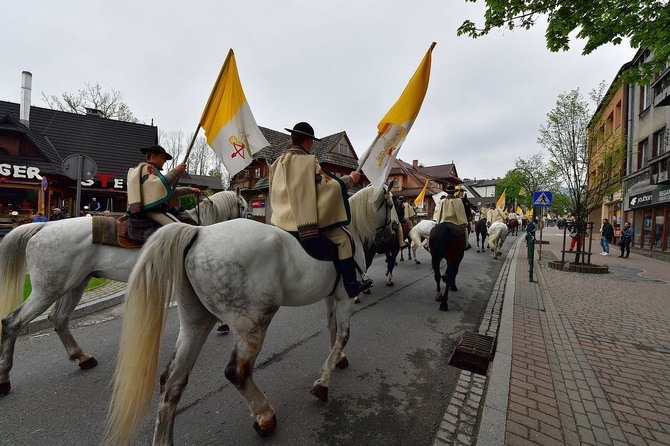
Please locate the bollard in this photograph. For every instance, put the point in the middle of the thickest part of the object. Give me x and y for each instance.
(530, 241)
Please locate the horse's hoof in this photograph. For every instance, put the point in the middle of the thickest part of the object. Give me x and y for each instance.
(88, 364)
(223, 329)
(417, 262)
(444, 307)
(320, 392)
(5, 388)
(438, 297)
(272, 425)
(390, 284)
(343, 363)
(453, 288)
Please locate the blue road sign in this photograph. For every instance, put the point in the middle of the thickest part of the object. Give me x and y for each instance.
(542, 198)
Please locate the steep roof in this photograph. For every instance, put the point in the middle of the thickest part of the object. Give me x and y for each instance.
(279, 141)
(113, 145)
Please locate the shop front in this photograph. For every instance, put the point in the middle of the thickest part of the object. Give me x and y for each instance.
(648, 214)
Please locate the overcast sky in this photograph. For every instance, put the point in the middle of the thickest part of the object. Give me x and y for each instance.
(339, 65)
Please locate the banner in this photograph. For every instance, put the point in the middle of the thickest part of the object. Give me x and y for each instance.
(419, 198)
(230, 128)
(378, 160)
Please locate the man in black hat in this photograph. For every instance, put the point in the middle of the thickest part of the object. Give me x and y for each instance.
(150, 192)
(308, 202)
(452, 210)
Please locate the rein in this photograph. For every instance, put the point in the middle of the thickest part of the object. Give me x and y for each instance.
(379, 237)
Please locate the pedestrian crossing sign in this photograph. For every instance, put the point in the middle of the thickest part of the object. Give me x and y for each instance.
(542, 198)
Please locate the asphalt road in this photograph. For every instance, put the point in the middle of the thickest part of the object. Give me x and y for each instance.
(394, 392)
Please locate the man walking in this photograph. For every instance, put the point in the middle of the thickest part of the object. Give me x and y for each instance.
(606, 236)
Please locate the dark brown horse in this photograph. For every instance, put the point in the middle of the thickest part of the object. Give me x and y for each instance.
(446, 242)
(513, 226)
(407, 241)
(481, 231)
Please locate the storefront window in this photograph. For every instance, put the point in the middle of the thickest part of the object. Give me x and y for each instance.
(646, 229)
(667, 230)
(637, 229)
(18, 204)
(657, 235)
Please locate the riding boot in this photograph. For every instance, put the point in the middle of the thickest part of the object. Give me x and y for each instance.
(353, 286)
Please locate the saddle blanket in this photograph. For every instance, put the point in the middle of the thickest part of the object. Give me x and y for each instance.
(112, 232)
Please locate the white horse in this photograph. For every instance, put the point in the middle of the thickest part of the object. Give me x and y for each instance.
(420, 234)
(241, 272)
(61, 259)
(497, 235)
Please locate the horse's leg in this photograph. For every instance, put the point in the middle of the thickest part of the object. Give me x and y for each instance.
(195, 325)
(342, 309)
(60, 318)
(438, 277)
(331, 321)
(250, 333)
(13, 324)
(390, 264)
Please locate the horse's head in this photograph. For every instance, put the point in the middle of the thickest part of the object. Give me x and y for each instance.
(242, 206)
(371, 213)
(220, 207)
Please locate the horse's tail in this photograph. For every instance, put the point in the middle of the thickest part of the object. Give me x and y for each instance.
(13, 266)
(159, 270)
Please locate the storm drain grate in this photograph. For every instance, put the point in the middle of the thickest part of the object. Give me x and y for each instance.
(473, 353)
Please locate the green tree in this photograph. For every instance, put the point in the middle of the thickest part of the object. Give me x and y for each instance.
(643, 22)
(529, 175)
(111, 105)
(565, 137)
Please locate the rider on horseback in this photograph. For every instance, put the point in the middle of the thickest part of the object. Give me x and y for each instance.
(309, 202)
(495, 214)
(151, 193)
(451, 209)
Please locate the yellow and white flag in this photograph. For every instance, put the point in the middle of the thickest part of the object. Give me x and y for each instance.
(519, 211)
(522, 191)
(230, 128)
(419, 199)
(378, 160)
(501, 200)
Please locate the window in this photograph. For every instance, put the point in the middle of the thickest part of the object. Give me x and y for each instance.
(257, 172)
(342, 148)
(645, 97)
(642, 149)
(659, 143)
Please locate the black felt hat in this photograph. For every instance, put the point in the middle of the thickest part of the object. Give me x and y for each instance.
(451, 190)
(156, 149)
(304, 129)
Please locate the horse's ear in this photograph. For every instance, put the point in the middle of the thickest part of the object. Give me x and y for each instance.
(237, 191)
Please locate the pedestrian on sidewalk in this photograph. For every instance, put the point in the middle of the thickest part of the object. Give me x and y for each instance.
(626, 238)
(606, 236)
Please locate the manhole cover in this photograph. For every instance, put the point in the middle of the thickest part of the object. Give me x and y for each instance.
(473, 353)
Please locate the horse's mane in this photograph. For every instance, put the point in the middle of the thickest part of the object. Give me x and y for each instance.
(363, 214)
(220, 208)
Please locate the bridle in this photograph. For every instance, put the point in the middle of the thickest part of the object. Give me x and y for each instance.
(380, 232)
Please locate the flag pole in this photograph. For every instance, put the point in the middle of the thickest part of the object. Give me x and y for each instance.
(188, 151)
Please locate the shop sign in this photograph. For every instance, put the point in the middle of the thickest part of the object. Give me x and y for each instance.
(116, 183)
(652, 197)
(257, 203)
(14, 171)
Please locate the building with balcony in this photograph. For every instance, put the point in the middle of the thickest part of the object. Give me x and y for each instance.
(646, 184)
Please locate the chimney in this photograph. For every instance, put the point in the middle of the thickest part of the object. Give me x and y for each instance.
(94, 112)
(26, 92)
(415, 164)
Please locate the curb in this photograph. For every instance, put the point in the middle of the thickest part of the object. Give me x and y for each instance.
(102, 303)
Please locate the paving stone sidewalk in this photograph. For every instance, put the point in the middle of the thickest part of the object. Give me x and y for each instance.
(590, 354)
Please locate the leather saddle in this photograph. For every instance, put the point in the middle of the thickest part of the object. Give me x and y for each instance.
(113, 232)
